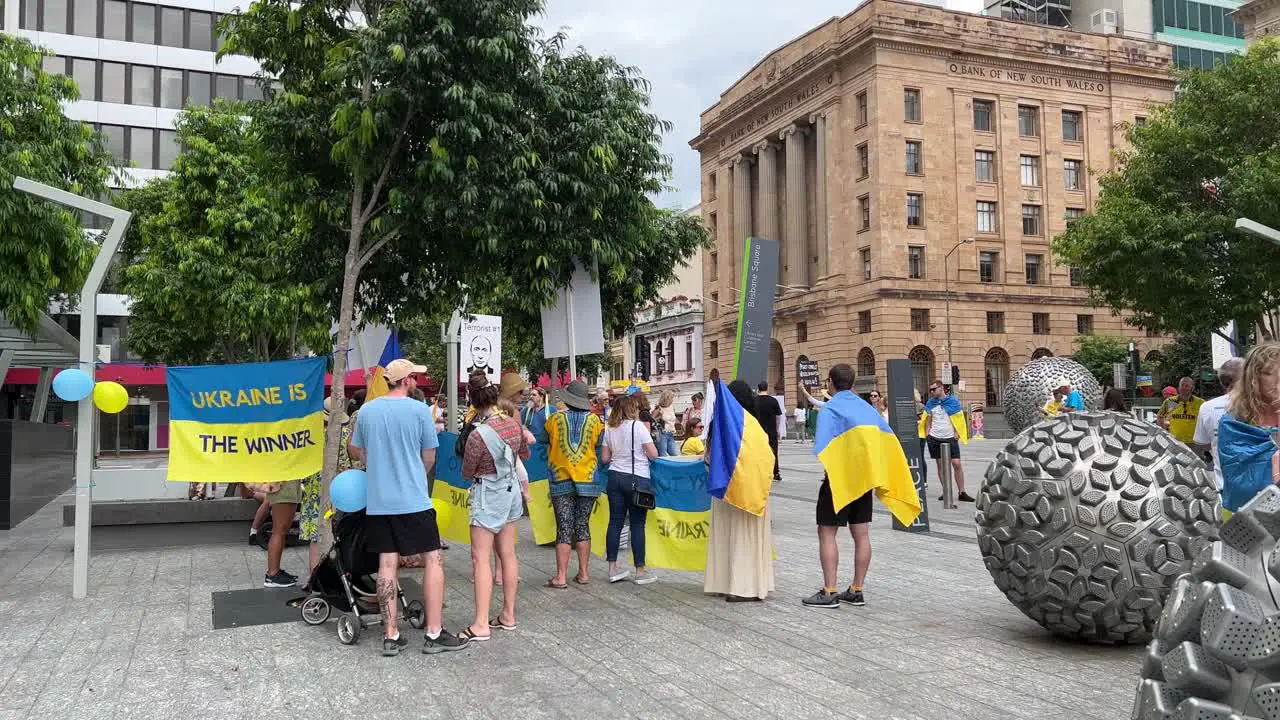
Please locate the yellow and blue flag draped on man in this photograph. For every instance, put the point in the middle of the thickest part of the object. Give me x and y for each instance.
(860, 453)
(253, 423)
(955, 411)
(739, 460)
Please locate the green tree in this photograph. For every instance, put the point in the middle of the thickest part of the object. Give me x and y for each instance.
(1161, 242)
(43, 250)
(206, 262)
(1099, 353)
(1187, 356)
(438, 148)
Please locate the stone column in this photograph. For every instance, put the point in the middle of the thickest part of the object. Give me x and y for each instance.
(767, 167)
(740, 166)
(796, 274)
(821, 247)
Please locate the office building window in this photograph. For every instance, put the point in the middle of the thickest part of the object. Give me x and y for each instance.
(143, 89)
(915, 210)
(1073, 276)
(1072, 126)
(53, 15)
(982, 112)
(54, 65)
(28, 14)
(864, 321)
(715, 349)
(864, 161)
(1039, 323)
(984, 163)
(198, 90)
(715, 266)
(171, 88)
(143, 23)
(864, 213)
(172, 31)
(1028, 121)
(113, 138)
(84, 18)
(988, 217)
(226, 87)
(1084, 324)
(915, 159)
(1033, 265)
(688, 354)
(1030, 167)
(1031, 220)
(200, 30)
(1140, 121)
(866, 263)
(910, 101)
(802, 332)
(112, 83)
(1073, 214)
(988, 266)
(861, 100)
(915, 262)
(168, 150)
(1071, 170)
(715, 304)
(142, 147)
(995, 322)
(919, 319)
(115, 20)
(85, 73)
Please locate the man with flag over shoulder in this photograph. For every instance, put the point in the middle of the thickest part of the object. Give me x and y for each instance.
(945, 425)
(861, 456)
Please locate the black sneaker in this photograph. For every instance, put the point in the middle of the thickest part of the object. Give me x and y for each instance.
(391, 648)
(447, 642)
(853, 597)
(822, 599)
(964, 497)
(253, 538)
(281, 579)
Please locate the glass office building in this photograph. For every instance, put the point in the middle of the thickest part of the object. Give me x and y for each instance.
(1202, 33)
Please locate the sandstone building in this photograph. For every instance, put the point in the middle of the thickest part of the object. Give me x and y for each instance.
(904, 156)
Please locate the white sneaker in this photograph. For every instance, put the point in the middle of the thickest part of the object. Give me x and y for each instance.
(619, 576)
(644, 579)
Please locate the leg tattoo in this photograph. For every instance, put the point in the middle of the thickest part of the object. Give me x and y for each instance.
(386, 599)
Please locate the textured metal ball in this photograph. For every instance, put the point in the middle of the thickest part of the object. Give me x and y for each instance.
(1032, 386)
(1086, 519)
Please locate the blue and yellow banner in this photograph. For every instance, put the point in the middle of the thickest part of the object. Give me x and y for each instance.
(253, 423)
(675, 534)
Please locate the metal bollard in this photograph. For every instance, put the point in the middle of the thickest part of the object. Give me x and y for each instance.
(948, 490)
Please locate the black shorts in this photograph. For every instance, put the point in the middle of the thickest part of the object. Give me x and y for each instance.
(403, 534)
(857, 512)
(935, 447)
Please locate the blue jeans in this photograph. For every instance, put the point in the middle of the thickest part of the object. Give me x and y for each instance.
(620, 510)
(667, 444)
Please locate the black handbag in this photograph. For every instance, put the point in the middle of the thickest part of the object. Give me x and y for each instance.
(643, 499)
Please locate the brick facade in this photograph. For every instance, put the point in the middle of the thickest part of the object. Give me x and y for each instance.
(885, 49)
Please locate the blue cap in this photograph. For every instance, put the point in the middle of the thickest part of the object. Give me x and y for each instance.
(633, 389)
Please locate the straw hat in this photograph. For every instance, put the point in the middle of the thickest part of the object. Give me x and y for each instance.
(342, 416)
(511, 385)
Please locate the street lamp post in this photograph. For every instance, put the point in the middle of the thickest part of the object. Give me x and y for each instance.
(946, 283)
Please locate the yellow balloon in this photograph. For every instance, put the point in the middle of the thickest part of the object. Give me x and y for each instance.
(110, 397)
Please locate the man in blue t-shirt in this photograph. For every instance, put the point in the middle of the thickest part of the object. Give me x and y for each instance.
(395, 437)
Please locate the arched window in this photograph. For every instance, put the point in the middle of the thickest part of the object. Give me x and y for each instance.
(866, 363)
(922, 371)
(1041, 352)
(671, 355)
(997, 371)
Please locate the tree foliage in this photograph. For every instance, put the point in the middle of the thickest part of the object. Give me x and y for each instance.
(1187, 356)
(1161, 242)
(43, 250)
(208, 260)
(1098, 353)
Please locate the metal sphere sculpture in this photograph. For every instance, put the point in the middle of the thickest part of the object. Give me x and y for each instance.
(1032, 386)
(1086, 519)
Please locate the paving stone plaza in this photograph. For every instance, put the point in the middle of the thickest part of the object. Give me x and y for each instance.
(936, 640)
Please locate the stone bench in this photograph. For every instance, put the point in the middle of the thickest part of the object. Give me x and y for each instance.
(165, 512)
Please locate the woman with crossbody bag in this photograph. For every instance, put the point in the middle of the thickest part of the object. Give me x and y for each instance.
(628, 448)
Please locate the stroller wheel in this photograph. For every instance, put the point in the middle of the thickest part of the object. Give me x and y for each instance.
(415, 614)
(316, 610)
(349, 629)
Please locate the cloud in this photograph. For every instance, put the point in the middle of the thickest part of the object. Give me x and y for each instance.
(690, 51)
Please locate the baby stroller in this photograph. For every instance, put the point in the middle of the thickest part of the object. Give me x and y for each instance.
(346, 579)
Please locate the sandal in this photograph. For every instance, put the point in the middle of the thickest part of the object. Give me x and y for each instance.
(556, 586)
(497, 623)
(582, 581)
(468, 636)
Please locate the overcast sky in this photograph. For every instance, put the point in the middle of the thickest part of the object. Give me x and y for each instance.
(691, 51)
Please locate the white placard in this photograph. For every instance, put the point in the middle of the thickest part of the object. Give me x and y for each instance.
(588, 323)
(480, 347)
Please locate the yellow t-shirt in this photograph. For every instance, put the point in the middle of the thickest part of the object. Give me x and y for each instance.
(1053, 407)
(570, 462)
(1182, 416)
(692, 446)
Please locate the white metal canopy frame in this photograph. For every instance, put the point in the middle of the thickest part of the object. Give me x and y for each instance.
(117, 223)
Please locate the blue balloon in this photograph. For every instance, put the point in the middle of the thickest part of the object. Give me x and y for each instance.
(73, 385)
(349, 490)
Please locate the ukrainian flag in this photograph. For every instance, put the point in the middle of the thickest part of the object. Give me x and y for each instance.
(955, 411)
(738, 454)
(860, 453)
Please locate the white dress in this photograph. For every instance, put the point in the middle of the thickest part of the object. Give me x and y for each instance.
(739, 552)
